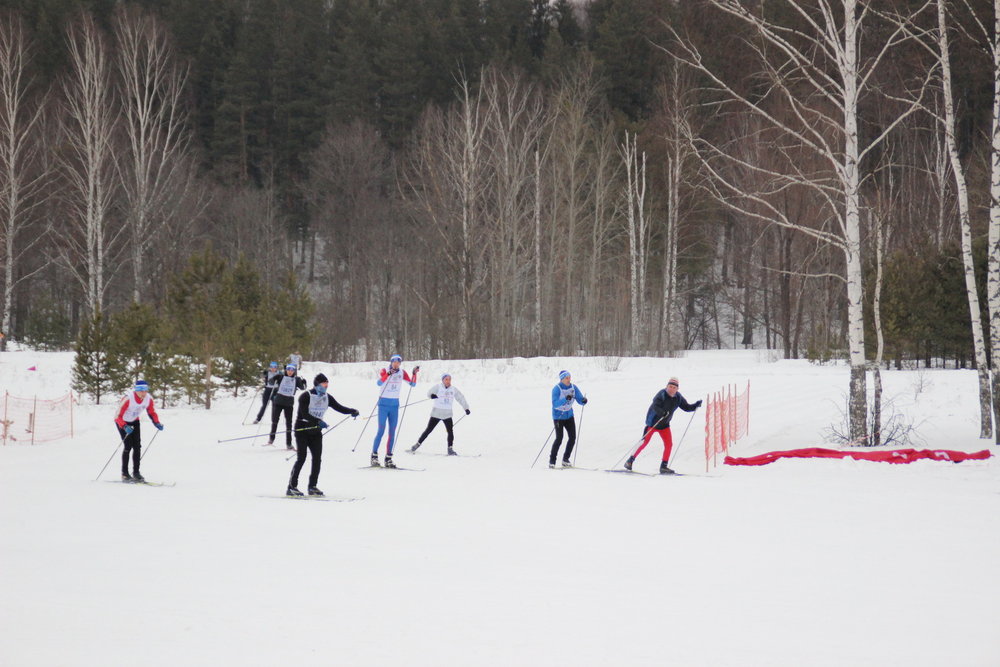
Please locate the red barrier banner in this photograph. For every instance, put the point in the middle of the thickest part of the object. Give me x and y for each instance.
(884, 456)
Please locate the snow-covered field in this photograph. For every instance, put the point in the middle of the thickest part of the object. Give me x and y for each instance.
(484, 561)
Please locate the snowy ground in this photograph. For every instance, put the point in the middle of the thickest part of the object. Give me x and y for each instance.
(483, 561)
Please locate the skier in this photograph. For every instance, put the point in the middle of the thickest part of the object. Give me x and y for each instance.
(391, 380)
(127, 421)
(658, 417)
(309, 427)
(563, 395)
(284, 399)
(444, 394)
(295, 359)
(271, 376)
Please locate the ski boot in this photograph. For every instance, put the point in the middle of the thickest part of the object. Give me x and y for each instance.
(126, 477)
(375, 463)
(313, 491)
(136, 477)
(566, 464)
(256, 421)
(552, 464)
(292, 491)
(414, 447)
(629, 462)
(388, 462)
(664, 470)
(452, 452)
(270, 443)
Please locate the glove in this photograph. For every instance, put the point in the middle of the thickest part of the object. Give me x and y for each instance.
(584, 400)
(128, 429)
(416, 370)
(467, 411)
(158, 425)
(355, 413)
(323, 424)
(569, 399)
(697, 404)
(434, 395)
(393, 371)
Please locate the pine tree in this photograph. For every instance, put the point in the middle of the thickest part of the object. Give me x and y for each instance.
(94, 367)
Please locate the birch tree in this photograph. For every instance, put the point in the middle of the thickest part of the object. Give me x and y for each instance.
(21, 180)
(817, 72)
(155, 127)
(637, 222)
(949, 124)
(88, 132)
(993, 280)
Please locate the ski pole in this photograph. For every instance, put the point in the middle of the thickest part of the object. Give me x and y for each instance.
(399, 426)
(252, 402)
(261, 435)
(151, 440)
(458, 420)
(120, 443)
(674, 452)
(636, 442)
(579, 435)
(374, 408)
(294, 454)
(543, 446)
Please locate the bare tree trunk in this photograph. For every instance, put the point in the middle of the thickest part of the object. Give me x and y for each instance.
(20, 141)
(876, 419)
(155, 129)
(958, 170)
(638, 232)
(537, 324)
(993, 280)
(89, 133)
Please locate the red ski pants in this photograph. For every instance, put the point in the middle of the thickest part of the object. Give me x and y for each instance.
(668, 442)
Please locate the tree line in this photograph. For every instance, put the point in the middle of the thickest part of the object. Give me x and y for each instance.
(519, 177)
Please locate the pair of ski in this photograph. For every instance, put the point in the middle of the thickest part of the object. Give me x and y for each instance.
(143, 483)
(317, 499)
(622, 470)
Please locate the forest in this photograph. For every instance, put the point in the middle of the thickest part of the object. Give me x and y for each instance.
(496, 178)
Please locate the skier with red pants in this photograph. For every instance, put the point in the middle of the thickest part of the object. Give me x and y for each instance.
(665, 403)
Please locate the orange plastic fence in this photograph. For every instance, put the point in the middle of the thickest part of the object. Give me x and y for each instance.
(727, 419)
(31, 420)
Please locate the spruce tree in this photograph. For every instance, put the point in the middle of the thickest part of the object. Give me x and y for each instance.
(94, 367)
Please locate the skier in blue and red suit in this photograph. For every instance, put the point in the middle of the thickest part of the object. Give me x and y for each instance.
(665, 403)
(391, 380)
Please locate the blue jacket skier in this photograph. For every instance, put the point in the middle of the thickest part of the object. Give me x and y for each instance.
(563, 396)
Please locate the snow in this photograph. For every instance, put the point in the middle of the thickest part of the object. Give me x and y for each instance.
(484, 561)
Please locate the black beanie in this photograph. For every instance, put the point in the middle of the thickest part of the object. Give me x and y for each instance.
(319, 379)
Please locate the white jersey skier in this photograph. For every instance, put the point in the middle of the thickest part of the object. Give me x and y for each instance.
(444, 395)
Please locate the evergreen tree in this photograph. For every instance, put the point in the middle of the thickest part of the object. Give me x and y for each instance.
(94, 367)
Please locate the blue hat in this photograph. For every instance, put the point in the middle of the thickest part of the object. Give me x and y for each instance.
(291, 367)
(395, 357)
(563, 375)
(446, 375)
(140, 385)
(274, 364)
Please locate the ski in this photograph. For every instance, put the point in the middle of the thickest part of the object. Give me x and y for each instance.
(329, 499)
(655, 474)
(454, 456)
(634, 472)
(573, 468)
(393, 468)
(124, 481)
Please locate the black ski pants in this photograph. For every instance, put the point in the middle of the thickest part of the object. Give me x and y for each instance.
(275, 415)
(448, 424)
(570, 427)
(263, 402)
(312, 441)
(130, 443)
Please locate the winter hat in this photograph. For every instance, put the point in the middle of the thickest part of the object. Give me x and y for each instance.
(140, 385)
(291, 367)
(446, 375)
(274, 364)
(319, 379)
(563, 375)
(395, 357)
(674, 381)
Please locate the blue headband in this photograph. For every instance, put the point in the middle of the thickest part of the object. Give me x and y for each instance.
(141, 385)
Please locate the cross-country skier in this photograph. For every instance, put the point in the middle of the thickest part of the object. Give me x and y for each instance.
(444, 394)
(284, 399)
(129, 410)
(271, 376)
(658, 417)
(391, 380)
(295, 359)
(563, 395)
(309, 427)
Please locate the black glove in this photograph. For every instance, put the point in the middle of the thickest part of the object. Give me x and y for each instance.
(696, 404)
(323, 424)
(416, 370)
(584, 400)
(467, 411)
(569, 396)
(393, 370)
(434, 395)
(355, 413)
